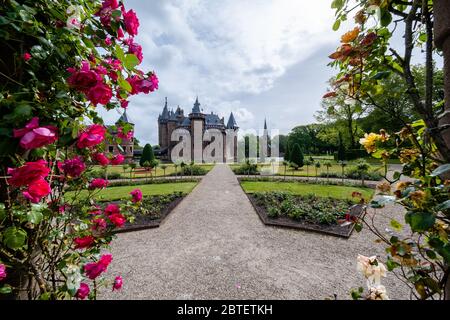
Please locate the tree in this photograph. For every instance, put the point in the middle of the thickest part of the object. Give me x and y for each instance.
(341, 149)
(362, 166)
(147, 155)
(285, 164)
(287, 153)
(343, 164)
(317, 165)
(164, 167)
(308, 163)
(132, 168)
(328, 165)
(297, 156)
(365, 58)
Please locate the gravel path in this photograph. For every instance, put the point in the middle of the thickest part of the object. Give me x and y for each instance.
(213, 246)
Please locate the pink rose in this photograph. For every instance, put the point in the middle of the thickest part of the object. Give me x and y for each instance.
(2, 271)
(100, 93)
(92, 136)
(124, 104)
(28, 173)
(101, 159)
(120, 34)
(32, 136)
(112, 209)
(83, 291)
(37, 190)
(94, 269)
(118, 159)
(26, 56)
(136, 195)
(122, 135)
(98, 183)
(99, 224)
(135, 49)
(131, 22)
(72, 167)
(117, 219)
(83, 79)
(83, 242)
(118, 283)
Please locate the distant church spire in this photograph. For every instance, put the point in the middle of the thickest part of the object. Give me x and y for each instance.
(265, 124)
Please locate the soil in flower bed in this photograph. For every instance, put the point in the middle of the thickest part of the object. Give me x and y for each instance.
(324, 215)
(152, 212)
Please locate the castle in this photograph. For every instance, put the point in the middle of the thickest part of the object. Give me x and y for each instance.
(169, 121)
(126, 147)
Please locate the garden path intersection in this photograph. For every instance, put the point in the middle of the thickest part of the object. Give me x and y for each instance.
(213, 246)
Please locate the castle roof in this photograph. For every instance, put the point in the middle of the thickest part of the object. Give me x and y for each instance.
(231, 124)
(124, 118)
(165, 113)
(196, 108)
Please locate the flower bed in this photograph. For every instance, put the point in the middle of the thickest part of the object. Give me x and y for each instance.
(152, 211)
(308, 212)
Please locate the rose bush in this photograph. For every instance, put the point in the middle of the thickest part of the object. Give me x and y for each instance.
(61, 61)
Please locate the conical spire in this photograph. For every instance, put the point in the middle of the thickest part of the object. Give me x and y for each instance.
(231, 124)
(196, 108)
(265, 124)
(124, 118)
(165, 113)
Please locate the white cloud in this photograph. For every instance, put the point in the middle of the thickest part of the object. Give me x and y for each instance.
(223, 51)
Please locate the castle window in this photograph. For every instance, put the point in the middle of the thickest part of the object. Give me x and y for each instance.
(111, 148)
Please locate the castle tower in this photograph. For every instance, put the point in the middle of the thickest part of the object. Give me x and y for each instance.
(162, 127)
(127, 145)
(197, 119)
(231, 125)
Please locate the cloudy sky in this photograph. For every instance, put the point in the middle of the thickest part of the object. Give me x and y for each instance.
(257, 58)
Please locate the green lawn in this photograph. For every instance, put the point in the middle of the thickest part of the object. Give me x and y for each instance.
(310, 171)
(141, 173)
(123, 192)
(333, 191)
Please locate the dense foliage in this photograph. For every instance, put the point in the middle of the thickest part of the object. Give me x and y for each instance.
(60, 61)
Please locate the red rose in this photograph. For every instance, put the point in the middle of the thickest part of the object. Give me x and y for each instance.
(101, 158)
(92, 136)
(84, 242)
(136, 195)
(83, 291)
(37, 190)
(117, 219)
(118, 159)
(28, 173)
(112, 209)
(83, 79)
(26, 56)
(100, 93)
(118, 283)
(131, 22)
(72, 167)
(94, 269)
(98, 183)
(32, 136)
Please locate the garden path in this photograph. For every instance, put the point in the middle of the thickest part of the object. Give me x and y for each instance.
(213, 246)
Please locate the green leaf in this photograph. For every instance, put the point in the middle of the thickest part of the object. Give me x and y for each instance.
(381, 75)
(420, 221)
(34, 217)
(124, 84)
(397, 226)
(5, 289)
(336, 25)
(119, 52)
(444, 205)
(385, 18)
(130, 61)
(14, 238)
(397, 175)
(431, 254)
(358, 227)
(440, 170)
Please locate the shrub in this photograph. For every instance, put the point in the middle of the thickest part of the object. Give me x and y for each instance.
(194, 170)
(147, 155)
(297, 156)
(246, 168)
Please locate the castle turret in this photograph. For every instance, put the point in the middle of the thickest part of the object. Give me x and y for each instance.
(197, 128)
